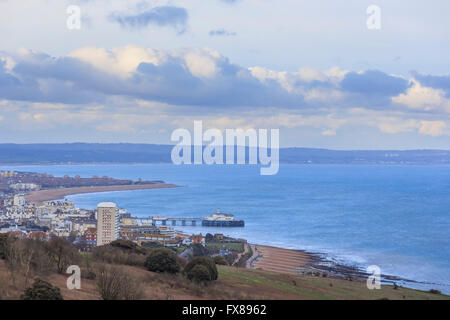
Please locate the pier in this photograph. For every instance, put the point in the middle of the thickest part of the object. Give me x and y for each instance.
(205, 222)
(158, 220)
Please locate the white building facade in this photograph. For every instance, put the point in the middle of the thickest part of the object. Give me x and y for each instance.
(107, 223)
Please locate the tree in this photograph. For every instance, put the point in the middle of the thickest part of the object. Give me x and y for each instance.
(3, 245)
(220, 260)
(209, 237)
(162, 260)
(63, 253)
(198, 250)
(42, 290)
(72, 237)
(207, 262)
(199, 273)
(128, 245)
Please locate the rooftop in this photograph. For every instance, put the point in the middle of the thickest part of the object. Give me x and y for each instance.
(106, 205)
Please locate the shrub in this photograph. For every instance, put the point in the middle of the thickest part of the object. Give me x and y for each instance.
(42, 290)
(434, 291)
(119, 254)
(162, 260)
(199, 273)
(128, 246)
(90, 275)
(113, 283)
(182, 262)
(198, 250)
(220, 260)
(231, 257)
(152, 244)
(207, 262)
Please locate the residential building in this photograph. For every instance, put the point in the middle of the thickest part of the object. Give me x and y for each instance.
(107, 223)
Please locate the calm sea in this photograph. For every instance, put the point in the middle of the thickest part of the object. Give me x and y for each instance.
(396, 217)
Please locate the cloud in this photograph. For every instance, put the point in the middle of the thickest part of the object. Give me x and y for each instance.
(221, 32)
(374, 82)
(197, 79)
(162, 16)
(419, 97)
(437, 82)
(122, 62)
(423, 127)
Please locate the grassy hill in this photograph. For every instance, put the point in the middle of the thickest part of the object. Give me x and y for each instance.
(233, 283)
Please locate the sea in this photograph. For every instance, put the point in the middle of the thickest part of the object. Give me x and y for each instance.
(395, 217)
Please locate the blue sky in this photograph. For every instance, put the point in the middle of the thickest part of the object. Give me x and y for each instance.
(136, 70)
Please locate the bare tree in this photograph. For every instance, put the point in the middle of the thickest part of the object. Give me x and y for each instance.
(114, 283)
(62, 253)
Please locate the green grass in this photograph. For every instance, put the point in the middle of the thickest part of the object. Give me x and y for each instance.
(253, 279)
(232, 246)
(308, 287)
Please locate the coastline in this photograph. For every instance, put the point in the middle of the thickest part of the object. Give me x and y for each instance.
(277, 259)
(37, 197)
(301, 262)
(264, 257)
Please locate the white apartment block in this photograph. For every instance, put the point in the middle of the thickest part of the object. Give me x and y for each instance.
(107, 223)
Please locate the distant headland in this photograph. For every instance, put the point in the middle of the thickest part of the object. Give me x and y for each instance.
(108, 153)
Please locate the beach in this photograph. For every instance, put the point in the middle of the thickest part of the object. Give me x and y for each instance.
(278, 259)
(37, 197)
(295, 262)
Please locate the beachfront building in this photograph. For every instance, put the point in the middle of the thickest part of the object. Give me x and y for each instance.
(107, 223)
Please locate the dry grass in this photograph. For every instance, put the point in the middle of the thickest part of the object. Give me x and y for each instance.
(233, 283)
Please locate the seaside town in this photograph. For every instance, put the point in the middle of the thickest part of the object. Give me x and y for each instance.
(33, 220)
(86, 229)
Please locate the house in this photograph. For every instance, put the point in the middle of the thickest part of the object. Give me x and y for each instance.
(38, 235)
(90, 234)
(198, 239)
(218, 236)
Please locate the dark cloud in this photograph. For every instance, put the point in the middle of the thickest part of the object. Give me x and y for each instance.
(68, 80)
(161, 16)
(374, 82)
(372, 89)
(233, 86)
(42, 78)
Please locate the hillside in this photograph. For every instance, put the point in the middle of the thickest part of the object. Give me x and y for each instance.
(233, 283)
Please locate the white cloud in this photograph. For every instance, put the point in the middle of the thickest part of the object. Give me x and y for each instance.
(423, 98)
(202, 64)
(433, 128)
(119, 61)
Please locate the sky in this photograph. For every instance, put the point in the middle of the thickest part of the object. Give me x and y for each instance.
(335, 74)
